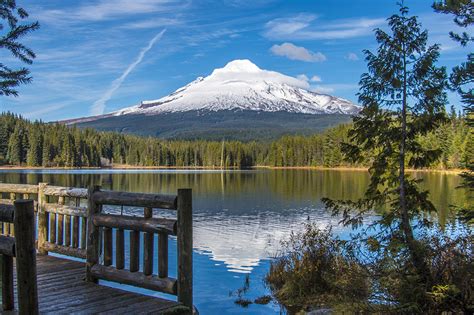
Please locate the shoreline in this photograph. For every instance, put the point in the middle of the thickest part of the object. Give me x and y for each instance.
(257, 167)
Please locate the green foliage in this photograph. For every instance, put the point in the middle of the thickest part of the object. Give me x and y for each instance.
(55, 145)
(13, 30)
(462, 79)
(317, 270)
(403, 98)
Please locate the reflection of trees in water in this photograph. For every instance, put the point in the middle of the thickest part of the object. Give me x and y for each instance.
(281, 185)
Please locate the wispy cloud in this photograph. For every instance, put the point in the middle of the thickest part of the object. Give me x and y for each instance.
(152, 23)
(306, 27)
(294, 52)
(109, 9)
(99, 105)
(352, 56)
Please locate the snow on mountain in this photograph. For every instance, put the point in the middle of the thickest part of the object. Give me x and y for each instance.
(241, 85)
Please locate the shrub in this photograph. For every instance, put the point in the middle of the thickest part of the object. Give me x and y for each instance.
(316, 269)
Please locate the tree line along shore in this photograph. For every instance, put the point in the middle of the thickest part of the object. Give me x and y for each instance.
(24, 143)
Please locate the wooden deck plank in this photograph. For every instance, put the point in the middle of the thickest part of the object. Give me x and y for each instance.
(62, 289)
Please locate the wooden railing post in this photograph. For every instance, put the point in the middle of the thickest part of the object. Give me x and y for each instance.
(185, 247)
(7, 283)
(93, 234)
(24, 221)
(42, 220)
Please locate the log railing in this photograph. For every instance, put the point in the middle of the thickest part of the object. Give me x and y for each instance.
(62, 220)
(22, 246)
(71, 222)
(103, 226)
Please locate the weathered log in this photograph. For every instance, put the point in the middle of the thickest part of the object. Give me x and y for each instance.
(134, 251)
(26, 257)
(185, 247)
(67, 210)
(65, 250)
(71, 192)
(7, 246)
(135, 199)
(148, 246)
(152, 225)
(163, 255)
(165, 285)
(119, 251)
(8, 295)
(19, 188)
(93, 235)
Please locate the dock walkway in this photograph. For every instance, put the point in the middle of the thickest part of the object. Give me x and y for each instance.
(63, 289)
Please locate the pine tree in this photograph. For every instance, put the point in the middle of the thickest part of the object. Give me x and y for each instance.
(403, 97)
(11, 16)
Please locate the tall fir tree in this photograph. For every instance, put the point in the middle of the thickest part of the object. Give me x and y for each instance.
(403, 97)
(462, 79)
(11, 16)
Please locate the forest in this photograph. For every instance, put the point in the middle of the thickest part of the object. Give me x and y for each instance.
(39, 144)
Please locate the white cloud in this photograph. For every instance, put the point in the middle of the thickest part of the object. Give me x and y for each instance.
(99, 105)
(323, 89)
(331, 88)
(293, 52)
(302, 77)
(304, 27)
(316, 78)
(352, 56)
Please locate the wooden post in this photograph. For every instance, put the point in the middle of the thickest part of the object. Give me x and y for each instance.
(162, 255)
(108, 246)
(185, 247)
(60, 223)
(75, 227)
(148, 246)
(42, 220)
(134, 251)
(26, 257)
(12, 226)
(83, 232)
(119, 251)
(93, 231)
(8, 300)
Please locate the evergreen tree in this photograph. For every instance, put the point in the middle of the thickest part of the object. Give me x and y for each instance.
(403, 97)
(11, 15)
(462, 79)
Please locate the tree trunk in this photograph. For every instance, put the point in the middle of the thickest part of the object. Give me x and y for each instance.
(416, 256)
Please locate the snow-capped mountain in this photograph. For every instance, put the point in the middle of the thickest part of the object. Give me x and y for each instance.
(239, 101)
(241, 85)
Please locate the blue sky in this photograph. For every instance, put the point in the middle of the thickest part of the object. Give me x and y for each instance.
(103, 55)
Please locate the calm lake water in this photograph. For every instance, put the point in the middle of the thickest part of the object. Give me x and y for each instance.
(240, 217)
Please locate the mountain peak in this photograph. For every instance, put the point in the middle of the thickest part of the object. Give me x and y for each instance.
(240, 65)
(242, 85)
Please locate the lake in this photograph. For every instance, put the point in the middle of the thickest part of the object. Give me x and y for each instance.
(240, 217)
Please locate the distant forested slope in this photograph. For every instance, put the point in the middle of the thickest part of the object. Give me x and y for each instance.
(26, 143)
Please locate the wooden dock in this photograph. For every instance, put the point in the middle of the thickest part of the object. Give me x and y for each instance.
(62, 289)
(42, 219)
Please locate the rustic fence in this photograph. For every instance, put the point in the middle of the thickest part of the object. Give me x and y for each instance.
(71, 222)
